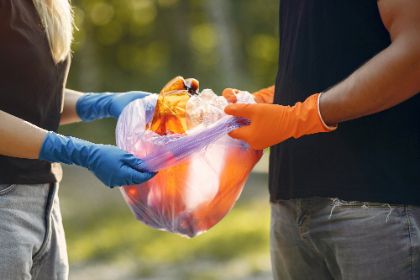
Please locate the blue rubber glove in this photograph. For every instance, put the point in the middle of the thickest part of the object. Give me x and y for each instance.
(113, 166)
(94, 106)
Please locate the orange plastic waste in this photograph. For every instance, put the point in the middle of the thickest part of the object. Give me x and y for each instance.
(193, 195)
(171, 105)
(265, 95)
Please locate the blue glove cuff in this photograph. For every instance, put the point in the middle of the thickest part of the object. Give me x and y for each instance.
(69, 150)
(113, 166)
(93, 106)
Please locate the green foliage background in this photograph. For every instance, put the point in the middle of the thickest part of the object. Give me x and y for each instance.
(123, 45)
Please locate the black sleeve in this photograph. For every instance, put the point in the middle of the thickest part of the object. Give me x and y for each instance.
(7, 35)
(5, 15)
(5, 40)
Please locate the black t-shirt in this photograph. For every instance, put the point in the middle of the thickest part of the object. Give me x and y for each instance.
(31, 84)
(374, 158)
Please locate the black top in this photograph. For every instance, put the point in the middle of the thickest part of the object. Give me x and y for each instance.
(375, 158)
(31, 84)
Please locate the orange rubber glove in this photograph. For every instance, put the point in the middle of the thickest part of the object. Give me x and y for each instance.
(265, 95)
(273, 124)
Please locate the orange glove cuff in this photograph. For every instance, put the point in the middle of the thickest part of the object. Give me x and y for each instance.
(265, 95)
(273, 124)
(308, 117)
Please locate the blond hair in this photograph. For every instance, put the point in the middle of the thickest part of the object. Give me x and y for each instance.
(57, 19)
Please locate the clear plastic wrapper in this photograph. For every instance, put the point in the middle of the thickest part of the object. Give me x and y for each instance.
(201, 170)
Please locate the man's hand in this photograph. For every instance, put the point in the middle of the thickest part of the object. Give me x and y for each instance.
(273, 124)
(265, 95)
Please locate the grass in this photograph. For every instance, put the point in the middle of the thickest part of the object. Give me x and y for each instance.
(241, 239)
(99, 236)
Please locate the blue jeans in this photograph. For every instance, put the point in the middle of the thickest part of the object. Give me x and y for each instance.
(32, 243)
(322, 238)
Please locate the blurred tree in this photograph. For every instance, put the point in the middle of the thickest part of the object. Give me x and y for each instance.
(220, 13)
(140, 44)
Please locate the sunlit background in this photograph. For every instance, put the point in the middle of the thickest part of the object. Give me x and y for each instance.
(123, 45)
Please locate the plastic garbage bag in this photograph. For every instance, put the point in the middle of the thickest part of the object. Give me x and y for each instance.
(201, 170)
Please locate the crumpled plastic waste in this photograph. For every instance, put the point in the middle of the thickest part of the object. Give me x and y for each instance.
(182, 134)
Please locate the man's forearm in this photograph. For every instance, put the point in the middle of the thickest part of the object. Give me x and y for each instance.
(69, 114)
(388, 79)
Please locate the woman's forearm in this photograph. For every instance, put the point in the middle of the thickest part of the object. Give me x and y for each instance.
(94, 106)
(69, 114)
(113, 166)
(19, 138)
(22, 139)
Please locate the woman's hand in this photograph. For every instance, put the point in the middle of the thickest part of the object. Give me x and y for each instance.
(113, 166)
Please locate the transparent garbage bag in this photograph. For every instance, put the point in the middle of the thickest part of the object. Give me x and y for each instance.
(201, 172)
